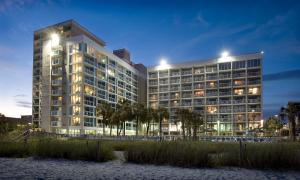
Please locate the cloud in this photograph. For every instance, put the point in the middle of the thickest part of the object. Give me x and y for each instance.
(25, 104)
(20, 95)
(284, 75)
(6, 5)
(201, 21)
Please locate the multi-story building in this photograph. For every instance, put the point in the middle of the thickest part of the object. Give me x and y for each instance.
(227, 91)
(73, 73)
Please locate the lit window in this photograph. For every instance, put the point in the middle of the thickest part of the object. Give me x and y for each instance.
(199, 93)
(211, 109)
(239, 91)
(254, 90)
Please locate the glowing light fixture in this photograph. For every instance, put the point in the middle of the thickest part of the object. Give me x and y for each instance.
(225, 54)
(262, 52)
(225, 57)
(54, 39)
(163, 64)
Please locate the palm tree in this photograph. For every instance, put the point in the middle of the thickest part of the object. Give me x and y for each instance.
(291, 111)
(116, 117)
(162, 113)
(197, 121)
(105, 110)
(182, 116)
(126, 113)
(138, 111)
(147, 119)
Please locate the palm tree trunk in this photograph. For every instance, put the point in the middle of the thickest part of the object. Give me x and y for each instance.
(148, 124)
(124, 128)
(110, 130)
(103, 129)
(137, 126)
(118, 129)
(160, 129)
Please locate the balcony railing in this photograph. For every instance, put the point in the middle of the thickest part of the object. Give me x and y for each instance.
(152, 75)
(254, 109)
(175, 74)
(225, 110)
(174, 81)
(238, 75)
(239, 110)
(253, 74)
(197, 103)
(55, 113)
(211, 102)
(225, 102)
(57, 82)
(253, 101)
(153, 83)
(225, 84)
(224, 76)
(56, 102)
(238, 101)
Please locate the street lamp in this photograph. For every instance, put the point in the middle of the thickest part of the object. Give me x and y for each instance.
(218, 127)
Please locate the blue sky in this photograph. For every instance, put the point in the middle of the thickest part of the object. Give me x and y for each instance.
(178, 30)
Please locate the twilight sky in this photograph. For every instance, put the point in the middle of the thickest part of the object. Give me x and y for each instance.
(177, 30)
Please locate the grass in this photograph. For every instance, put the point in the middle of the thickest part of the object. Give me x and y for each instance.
(52, 148)
(284, 155)
(210, 154)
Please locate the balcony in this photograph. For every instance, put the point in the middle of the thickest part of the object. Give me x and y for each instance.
(240, 101)
(254, 109)
(186, 88)
(211, 102)
(56, 72)
(55, 113)
(237, 110)
(175, 74)
(175, 81)
(254, 82)
(56, 103)
(225, 102)
(153, 91)
(253, 74)
(253, 101)
(57, 62)
(198, 78)
(176, 88)
(153, 83)
(56, 82)
(211, 93)
(186, 72)
(199, 103)
(152, 75)
(163, 97)
(222, 85)
(186, 104)
(56, 92)
(225, 76)
(225, 110)
(238, 75)
(163, 89)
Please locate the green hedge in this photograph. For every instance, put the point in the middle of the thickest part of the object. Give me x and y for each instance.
(209, 154)
(50, 148)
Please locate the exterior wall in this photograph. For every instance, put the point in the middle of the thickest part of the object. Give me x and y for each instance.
(74, 76)
(226, 91)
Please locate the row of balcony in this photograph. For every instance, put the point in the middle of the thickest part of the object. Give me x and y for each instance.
(235, 74)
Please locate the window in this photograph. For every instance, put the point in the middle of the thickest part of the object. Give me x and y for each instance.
(89, 80)
(89, 101)
(90, 122)
(253, 90)
(211, 68)
(199, 93)
(102, 94)
(253, 63)
(238, 65)
(224, 66)
(238, 91)
(212, 109)
(89, 111)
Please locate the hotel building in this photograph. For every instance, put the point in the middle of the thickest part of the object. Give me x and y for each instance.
(227, 91)
(73, 73)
